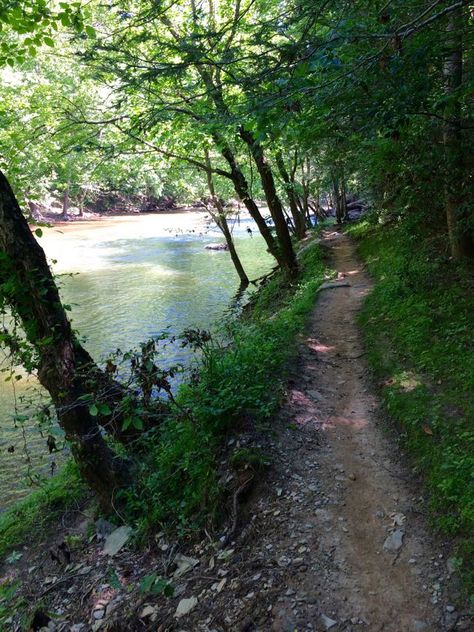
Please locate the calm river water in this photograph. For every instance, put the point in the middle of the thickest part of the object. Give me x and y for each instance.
(127, 279)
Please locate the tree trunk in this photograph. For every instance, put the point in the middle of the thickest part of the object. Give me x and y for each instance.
(344, 210)
(64, 366)
(242, 189)
(460, 236)
(221, 221)
(65, 208)
(274, 204)
(337, 199)
(298, 217)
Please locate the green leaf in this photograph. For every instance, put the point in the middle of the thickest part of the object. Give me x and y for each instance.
(48, 41)
(90, 30)
(93, 410)
(104, 409)
(38, 232)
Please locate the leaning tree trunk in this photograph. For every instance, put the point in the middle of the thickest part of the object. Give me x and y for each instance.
(221, 221)
(299, 219)
(275, 207)
(460, 236)
(243, 192)
(64, 366)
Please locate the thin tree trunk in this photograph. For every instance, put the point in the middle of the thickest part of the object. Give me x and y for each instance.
(298, 217)
(64, 366)
(274, 204)
(65, 208)
(337, 199)
(221, 220)
(242, 189)
(460, 237)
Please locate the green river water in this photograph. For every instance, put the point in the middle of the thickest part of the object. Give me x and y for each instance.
(127, 279)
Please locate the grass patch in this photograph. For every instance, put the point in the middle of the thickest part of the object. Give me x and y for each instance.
(41, 507)
(238, 384)
(418, 327)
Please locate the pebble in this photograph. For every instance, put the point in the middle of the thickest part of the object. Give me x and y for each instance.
(185, 606)
(328, 622)
(98, 614)
(394, 541)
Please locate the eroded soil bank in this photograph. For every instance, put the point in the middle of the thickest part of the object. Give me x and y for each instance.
(334, 538)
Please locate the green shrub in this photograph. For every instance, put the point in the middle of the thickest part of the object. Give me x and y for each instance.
(239, 383)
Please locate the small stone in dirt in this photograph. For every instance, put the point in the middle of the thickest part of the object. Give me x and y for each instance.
(450, 608)
(419, 626)
(394, 541)
(84, 570)
(184, 564)
(117, 540)
(98, 614)
(147, 611)
(412, 560)
(316, 395)
(221, 584)
(352, 477)
(185, 606)
(328, 622)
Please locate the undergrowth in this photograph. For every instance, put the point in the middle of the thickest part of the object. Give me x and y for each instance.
(419, 334)
(238, 383)
(39, 508)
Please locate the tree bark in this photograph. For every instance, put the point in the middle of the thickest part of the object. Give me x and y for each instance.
(221, 221)
(242, 189)
(65, 207)
(460, 237)
(298, 217)
(274, 204)
(64, 367)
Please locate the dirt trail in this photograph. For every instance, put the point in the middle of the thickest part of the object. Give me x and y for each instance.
(313, 556)
(308, 552)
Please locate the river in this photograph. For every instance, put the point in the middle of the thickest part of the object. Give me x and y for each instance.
(127, 279)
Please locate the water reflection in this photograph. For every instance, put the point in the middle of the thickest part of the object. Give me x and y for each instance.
(136, 277)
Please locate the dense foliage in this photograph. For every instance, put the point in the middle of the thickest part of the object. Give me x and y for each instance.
(297, 103)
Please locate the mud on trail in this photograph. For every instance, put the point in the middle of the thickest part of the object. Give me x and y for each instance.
(336, 539)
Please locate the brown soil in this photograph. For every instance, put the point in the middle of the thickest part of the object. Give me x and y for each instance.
(309, 551)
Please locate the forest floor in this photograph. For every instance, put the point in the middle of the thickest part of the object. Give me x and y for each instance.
(333, 537)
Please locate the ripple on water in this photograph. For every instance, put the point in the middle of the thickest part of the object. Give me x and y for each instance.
(136, 277)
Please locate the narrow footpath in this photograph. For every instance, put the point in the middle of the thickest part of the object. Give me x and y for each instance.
(332, 537)
(336, 539)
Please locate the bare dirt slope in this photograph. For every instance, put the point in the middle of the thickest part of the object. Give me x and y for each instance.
(337, 539)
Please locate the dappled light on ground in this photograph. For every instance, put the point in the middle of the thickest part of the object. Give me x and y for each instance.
(336, 421)
(319, 347)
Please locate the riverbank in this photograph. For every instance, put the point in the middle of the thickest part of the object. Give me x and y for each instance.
(182, 481)
(126, 280)
(334, 535)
